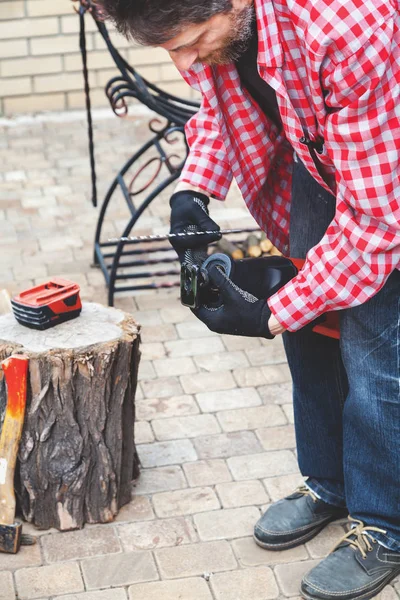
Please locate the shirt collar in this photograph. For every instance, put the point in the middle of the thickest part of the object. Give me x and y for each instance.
(269, 47)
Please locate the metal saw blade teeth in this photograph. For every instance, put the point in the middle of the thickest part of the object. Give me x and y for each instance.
(167, 236)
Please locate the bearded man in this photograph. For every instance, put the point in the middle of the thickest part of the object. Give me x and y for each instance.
(301, 105)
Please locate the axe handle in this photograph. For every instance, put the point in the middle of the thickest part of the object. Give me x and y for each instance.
(15, 370)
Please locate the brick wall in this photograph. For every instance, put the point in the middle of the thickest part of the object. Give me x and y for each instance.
(40, 62)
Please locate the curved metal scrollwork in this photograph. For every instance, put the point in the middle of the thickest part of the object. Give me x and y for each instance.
(145, 176)
(164, 133)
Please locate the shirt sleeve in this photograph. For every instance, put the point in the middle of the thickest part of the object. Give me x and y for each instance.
(361, 247)
(206, 166)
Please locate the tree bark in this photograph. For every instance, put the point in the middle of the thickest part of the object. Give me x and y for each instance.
(77, 455)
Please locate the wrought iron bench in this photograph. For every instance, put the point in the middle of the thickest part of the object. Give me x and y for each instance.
(129, 266)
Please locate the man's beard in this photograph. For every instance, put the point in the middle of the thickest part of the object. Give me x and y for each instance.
(235, 44)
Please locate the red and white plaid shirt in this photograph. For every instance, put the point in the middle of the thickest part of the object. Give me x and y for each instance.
(335, 66)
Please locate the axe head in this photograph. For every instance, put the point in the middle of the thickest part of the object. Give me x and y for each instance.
(10, 538)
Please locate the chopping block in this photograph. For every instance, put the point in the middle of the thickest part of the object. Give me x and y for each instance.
(77, 456)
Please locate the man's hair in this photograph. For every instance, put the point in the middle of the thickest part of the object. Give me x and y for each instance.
(153, 22)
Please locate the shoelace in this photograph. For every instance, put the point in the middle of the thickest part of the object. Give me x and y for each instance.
(303, 489)
(359, 537)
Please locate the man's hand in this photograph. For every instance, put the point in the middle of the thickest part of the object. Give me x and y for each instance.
(189, 212)
(274, 326)
(239, 312)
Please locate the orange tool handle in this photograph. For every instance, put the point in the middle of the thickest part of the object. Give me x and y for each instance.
(15, 370)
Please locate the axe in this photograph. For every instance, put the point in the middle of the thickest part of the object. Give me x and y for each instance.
(15, 370)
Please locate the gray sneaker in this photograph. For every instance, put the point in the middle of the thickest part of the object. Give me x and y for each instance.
(358, 567)
(295, 520)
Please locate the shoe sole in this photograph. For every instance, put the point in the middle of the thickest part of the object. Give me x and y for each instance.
(365, 596)
(297, 542)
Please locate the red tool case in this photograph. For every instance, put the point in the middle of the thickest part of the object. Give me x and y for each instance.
(47, 304)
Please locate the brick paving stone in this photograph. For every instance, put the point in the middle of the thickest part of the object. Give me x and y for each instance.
(226, 523)
(158, 333)
(176, 314)
(161, 387)
(288, 410)
(185, 427)
(258, 584)
(221, 361)
(62, 578)
(238, 342)
(6, 586)
(152, 350)
(70, 545)
(118, 570)
(206, 472)
(160, 480)
(277, 438)
(185, 502)
(195, 559)
(138, 509)
(229, 399)
(51, 244)
(282, 485)
(194, 329)
(249, 376)
(289, 578)
(194, 347)
(224, 445)
(276, 373)
(139, 394)
(165, 367)
(272, 353)
(320, 546)
(115, 594)
(192, 588)
(207, 382)
(280, 393)
(160, 454)
(146, 370)
(267, 464)
(143, 433)
(241, 493)
(388, 593)
(35, 271)
(251, 418)
(148, 317)
(27, 556)
(156, 534)
(148, 409)
(151, 301)
(250, 555)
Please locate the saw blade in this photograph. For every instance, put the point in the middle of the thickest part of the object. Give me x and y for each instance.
(167, 236)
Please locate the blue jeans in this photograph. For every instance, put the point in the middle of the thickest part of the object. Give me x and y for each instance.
(347, 393)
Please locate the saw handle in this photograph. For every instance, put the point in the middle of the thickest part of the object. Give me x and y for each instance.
(15, 370)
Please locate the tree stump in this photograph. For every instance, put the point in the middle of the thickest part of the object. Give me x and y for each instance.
(77, 456)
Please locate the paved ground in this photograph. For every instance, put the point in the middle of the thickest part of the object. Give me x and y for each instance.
(215, 418)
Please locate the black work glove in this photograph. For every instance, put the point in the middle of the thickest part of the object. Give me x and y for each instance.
(189, 212)
(237, 312)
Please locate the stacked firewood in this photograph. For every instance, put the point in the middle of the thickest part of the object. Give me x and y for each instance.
(254, 246)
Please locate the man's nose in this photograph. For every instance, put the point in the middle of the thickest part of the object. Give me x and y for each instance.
(184, 59)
